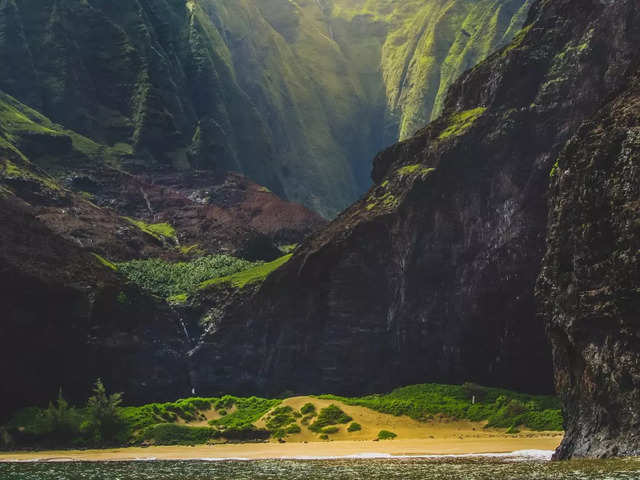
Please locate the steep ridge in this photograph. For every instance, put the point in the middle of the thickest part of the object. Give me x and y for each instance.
(589, 286)
(426, 46)
(298, 96)
(431, 275)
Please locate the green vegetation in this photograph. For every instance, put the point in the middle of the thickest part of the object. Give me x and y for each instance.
(249, 276)
(293, 429)
(286, 249)
(307, 419)
(103, 421)
(501, 408)
(280, 417)
(554, 170)
(330, 430)
(247, 411)
(426, 46)
(354, 427)
(172, 434)
(176, 281)
(512, 430)
(386, 202)
(308, 409)
(180, 299)
(99, 423)
(159, 231)
(386, 435)
(191, 249)
(106, 263)
(22, 128)
(332, 415)
(461, 122)
(417, 169)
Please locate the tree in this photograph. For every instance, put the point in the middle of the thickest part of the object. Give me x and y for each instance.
(61, 419)
(102, 409)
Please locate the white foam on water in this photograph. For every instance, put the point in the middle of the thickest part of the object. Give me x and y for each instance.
(538, 455)
(542, 455)
(228, 459)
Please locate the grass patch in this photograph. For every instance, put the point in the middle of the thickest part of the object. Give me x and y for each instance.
(280, 417)
(103, 261)
(499, 407)
(461, 122)
(175, 280)
(191, 249)
(172, 434)
(417, 169)
(180, 299)
(332, 415)
(249, 276)
(159, 231)
(248, 411)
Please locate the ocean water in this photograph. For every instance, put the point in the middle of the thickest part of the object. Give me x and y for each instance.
(527, 467)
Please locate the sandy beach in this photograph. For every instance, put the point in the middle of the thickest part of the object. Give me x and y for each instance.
(259, 451)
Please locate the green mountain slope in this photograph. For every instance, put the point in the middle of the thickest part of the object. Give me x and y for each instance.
(298, 95)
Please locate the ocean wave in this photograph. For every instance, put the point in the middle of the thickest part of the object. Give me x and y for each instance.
(543, 455)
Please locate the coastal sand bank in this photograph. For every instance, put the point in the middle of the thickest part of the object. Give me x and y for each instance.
(258, 451)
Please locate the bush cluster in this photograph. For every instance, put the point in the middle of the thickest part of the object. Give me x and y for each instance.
(501, 408)
(167, 279)
(97, 424)
(386, 435)
(332, 415)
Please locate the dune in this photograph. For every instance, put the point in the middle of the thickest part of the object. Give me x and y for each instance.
(440, 436)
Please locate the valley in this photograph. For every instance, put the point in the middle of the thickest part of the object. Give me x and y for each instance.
(189, 210)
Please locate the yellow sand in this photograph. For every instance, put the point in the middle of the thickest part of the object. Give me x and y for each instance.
(431, 446)
(438, 437)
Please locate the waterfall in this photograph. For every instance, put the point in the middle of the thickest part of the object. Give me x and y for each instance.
(184, 328)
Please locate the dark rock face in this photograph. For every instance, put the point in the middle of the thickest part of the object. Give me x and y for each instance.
(431, 276)
(590, 283)
(67, 320)
(67, 316)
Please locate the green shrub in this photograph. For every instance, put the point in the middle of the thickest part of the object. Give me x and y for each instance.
(308, 409)
(307, 419)
(244, 433)
(330, 430)
(248, 411)
(225, 403)
(332, 415)
(512, 430)
(293, 428)
(280, 417)
(172, 434)
(324, 436)
(354, 427)
(386, 435)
